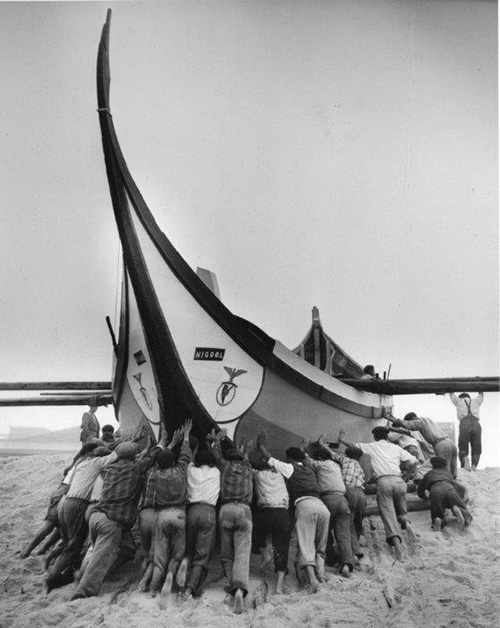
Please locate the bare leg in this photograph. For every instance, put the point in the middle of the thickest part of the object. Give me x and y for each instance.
(166, 590)
(44, 531)
(49, 542)
(460, 518)
(396, 543)
(313, 583)
(279, 582)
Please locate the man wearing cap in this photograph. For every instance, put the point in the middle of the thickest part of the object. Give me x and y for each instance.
(115, 512)
(469, 430)
(386, 459)
(443, 493)
(432, 433)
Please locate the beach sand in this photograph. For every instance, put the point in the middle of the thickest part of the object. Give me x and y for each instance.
(448, 579)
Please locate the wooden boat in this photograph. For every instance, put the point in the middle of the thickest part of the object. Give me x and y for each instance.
(181, 352)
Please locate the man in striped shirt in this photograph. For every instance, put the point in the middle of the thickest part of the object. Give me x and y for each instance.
(354, 480)
(115, 512)
(235, 518)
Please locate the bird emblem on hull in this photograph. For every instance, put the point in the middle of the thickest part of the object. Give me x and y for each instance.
(227, 390)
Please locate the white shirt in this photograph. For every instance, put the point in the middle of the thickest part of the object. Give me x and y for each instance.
(86, 472)
(203, 484)
(463, 403)
(386, 457)
(285, 468)
(270, 489)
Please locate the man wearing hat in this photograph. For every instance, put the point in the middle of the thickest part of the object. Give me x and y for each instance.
(432, 433)
(386, 459)
(115, 512)
(443, 493)
(469, 431)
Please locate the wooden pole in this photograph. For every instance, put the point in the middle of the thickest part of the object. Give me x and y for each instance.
(55, 386)
(70, 400)
(426, 386)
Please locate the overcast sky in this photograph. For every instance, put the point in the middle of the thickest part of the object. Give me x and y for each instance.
(330, 153)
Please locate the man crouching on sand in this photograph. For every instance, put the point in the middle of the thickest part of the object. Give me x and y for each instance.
(386, 459)
(443, 493)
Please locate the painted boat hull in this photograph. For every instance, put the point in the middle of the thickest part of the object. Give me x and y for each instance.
(181, 353)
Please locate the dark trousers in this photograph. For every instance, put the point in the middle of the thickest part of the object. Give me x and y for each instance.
(443, 495)
(469, 433)
(201, 528)
(340, 524)
(278, 523)
(356, 499)
(73, 527)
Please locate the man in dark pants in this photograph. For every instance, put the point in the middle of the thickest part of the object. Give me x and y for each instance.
(469, 431)
(271, 515)
(443, 493)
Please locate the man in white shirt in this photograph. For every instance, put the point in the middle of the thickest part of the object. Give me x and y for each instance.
(271, 515)
(469, 431)
(203, 478)
(386, 459)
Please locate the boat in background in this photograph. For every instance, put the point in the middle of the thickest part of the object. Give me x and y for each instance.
(181, 353)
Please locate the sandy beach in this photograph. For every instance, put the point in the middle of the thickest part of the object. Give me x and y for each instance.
(447, 579)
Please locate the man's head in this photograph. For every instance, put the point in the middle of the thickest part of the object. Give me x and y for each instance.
(317, 452)
(93, 408)
(100, 451)
(165, 459)
(380, 433)
(295, 454)
(233, 454)
(205, 458)
(107, 428)
(353, 453)
(127, 450)
(464, 396)
(369, 370)
(410, 416)
(438, 463)
(88, 449)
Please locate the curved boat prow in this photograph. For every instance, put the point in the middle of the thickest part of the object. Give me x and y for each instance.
(182, 353)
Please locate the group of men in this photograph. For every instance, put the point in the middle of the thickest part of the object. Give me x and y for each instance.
(185, 494)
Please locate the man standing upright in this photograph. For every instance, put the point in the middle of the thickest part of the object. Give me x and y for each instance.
(386, 459)
(90, 425)
(432, 433)
(469, 431)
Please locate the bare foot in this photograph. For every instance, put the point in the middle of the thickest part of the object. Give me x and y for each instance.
(181, 573)
(437, 524)
(460, 518)
(238, 602)
(166, 591)
(345, 572)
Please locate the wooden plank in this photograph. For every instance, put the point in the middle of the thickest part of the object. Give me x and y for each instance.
(55, 386)
(70, 400)
(426, 386)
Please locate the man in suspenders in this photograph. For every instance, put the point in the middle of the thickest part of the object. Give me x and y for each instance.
(469, 431)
